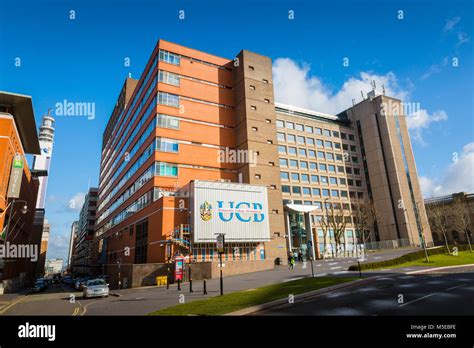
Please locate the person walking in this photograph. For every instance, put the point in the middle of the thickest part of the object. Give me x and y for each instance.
(291, 262)
(300, 256)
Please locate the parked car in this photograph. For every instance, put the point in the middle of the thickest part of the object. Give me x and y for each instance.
(67, 280)
(81, 282)
(96, 288)
(40, 285)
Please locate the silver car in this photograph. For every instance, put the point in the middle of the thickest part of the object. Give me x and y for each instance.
(96, 288)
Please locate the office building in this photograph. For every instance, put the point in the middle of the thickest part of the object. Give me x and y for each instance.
(197, 123)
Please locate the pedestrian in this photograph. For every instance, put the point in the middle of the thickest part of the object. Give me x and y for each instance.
(292, 263)
(289, 261)
(300, 256)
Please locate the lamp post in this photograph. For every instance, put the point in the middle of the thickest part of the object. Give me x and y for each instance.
(23, 210)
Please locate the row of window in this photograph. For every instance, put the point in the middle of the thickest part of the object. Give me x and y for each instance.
(299, 139)
(302, 152)
(292, 163)
(316, 179)
(314, 191)
(130, 109)
(314, 130)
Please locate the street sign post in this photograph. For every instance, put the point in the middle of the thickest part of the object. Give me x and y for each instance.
(220, 248)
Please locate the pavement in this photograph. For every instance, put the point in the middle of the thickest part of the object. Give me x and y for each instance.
(62, 300)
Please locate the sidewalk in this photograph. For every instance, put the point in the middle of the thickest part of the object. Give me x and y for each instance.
(8, 300)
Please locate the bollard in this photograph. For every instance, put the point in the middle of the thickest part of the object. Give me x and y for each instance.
(179, 284)
(204, 286)
(191, 285)
(167, 283)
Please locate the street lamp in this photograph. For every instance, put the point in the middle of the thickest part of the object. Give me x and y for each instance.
(23, 210)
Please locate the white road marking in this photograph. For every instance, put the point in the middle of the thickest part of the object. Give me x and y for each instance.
(291, 279)
(429, 295)
(336, 267)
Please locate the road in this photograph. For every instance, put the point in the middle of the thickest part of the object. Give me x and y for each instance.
(62, 300)
(430, 293)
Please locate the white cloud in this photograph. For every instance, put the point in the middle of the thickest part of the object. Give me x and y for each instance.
(462, 38)
(457, 177)
(77, 201)
(451, 23)
(421, 120)
(435, 69)
(295, 86)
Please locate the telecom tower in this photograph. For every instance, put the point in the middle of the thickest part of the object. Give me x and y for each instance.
(42, 162)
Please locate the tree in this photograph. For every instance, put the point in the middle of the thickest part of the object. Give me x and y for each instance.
(365, 218)
(324, 224)
(337, 222)
(462, 218)
(422, 226)
(437, 216)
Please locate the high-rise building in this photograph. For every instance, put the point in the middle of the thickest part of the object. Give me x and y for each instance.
(85, 234)
(72, 238)
(197, 146)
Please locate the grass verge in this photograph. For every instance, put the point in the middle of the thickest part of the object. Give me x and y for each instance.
(235, 301)
(442, 260)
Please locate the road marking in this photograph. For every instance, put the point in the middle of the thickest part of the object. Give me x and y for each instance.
(84, 308)
(76, 311)
(290, 280)
(429, 295)
(336, 267)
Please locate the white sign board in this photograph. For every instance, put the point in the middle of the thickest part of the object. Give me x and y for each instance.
(238, 210)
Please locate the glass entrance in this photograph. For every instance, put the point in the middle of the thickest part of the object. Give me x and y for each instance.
(298, 235)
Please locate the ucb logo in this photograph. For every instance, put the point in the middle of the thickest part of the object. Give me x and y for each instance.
(243, 211)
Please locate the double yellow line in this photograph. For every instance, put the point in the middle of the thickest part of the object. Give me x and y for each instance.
(76, 311)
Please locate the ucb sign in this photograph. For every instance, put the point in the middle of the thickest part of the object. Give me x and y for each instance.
(242, 211)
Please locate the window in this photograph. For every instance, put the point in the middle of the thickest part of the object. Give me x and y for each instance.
(338, 157)
(255, 129)
(360, 195)
(291, 150)
(351, 137)
(326, 133)
(337, 146)
(318, 131)
(342, 181)
(168, 99)
(343, 136)
(304, 177)
(265, 80)
(328, 144)
(302, 152)
(350, 182)
(166, 121)
(322, 167)
(335, 134)
(311, 154)
(340, 169)
(294, 163)
(303, 165)
(169, 78)
(313, 166)
(358, 183)
(280, 124)
(253, 107)
(325, 193)
(166, 145)
(321, 155)
(330, 156)
(316, 191)
(282, 149)
(169, 57)
(333, 180)
(258, 176)
(324, 179)
(344, 194)
(281, 136)
(308, 129)
(284, 175)
(353, 148)
(166, 169)
(299, 127)
(318, 205)
(307, 191)
(345, 147)
(300, 140)
(308, 203)
(355, 159)
(295, 177)
(252, 87)
(285, 188)
(310, 141)
(332, 168)
(266, 100)
(283, 162)
(296, 190)
(290, 138)
(314, 178)
(319, 143)
(348, 170)
(251, 67)
(335, 193)
(290, 125)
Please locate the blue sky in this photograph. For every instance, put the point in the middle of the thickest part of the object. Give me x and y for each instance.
(82, 60)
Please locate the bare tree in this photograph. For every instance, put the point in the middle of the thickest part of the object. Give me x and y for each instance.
(437, 216)
(324, 224)
(423, 227)
(337, 222)
(462, 218)
(365, 218)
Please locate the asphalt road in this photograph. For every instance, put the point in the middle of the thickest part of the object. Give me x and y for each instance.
(62, 300)
(432, 293)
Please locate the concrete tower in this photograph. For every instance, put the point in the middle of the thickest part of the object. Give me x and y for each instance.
(42, 162)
